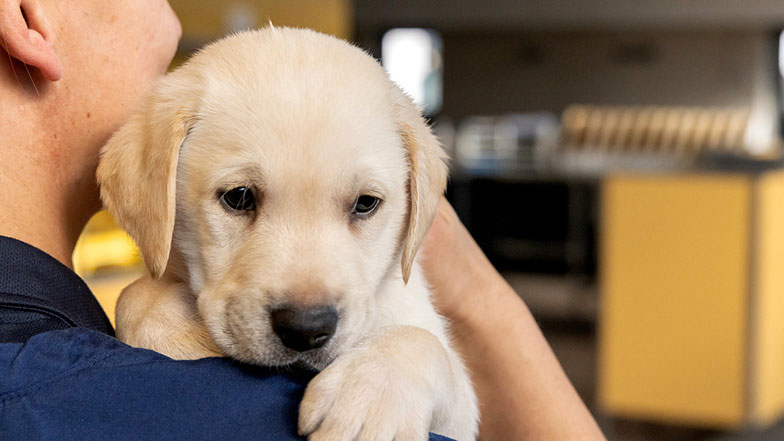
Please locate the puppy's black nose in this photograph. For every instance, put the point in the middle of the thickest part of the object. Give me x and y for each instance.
(304, 328)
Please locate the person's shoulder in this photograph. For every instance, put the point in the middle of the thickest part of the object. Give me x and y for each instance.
(38, 294)
(81, 384)
(49, 356)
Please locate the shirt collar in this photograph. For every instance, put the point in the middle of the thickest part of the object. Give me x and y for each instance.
(31, 276)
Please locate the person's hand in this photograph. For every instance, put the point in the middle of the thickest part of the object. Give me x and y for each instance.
(460, 275)
(27, 37)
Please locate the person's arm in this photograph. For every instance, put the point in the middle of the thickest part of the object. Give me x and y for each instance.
(522, 389)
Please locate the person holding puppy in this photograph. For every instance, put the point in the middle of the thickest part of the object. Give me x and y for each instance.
(69, 75)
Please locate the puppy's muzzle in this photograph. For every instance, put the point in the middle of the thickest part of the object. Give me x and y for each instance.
(303, 328)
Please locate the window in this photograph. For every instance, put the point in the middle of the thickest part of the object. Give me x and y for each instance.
(412, 57)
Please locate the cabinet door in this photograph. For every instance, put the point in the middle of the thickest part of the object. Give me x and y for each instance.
(675, 288)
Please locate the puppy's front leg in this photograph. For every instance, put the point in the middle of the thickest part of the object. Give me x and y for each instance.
(394, 386)
(161, 315)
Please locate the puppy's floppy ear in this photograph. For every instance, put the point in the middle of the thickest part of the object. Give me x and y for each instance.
(137, 171)
(427, 174)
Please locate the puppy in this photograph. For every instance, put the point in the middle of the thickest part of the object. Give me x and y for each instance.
(279, 186)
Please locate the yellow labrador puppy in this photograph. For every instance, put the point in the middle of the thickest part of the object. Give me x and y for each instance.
(278, 186)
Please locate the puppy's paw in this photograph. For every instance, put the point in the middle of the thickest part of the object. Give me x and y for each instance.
(366, 395)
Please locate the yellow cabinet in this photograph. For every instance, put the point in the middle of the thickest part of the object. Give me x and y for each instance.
(692, 298)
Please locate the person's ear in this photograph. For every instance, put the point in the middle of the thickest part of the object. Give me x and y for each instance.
(427, 174)
(26, 35)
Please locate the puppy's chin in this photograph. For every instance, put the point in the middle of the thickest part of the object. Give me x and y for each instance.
(317, 359)
(267, 351)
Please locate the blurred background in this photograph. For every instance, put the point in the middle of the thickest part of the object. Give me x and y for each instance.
(618, 160)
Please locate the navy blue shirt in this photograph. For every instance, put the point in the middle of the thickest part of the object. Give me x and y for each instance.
(38, 294)
(63, 376)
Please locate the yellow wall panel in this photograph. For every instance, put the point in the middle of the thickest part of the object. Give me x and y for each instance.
(674, 278)
(206, 18)
(107, 259)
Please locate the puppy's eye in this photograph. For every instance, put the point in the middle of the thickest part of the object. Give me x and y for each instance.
(365, 205)
(239, 199)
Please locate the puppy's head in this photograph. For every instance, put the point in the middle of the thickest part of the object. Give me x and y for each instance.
(292, 179)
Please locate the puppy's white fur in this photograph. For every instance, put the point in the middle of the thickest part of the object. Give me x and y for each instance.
(310, 123)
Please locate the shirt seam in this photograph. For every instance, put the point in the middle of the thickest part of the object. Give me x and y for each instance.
(42, 310)
(21, 393)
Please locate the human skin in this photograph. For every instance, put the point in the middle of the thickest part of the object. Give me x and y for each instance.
(523, 391)
(69, 75)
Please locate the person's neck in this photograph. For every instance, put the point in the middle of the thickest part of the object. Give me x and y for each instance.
(47, 170)
(43, 204)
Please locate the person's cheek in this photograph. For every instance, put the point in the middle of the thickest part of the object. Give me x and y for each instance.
(171, 31)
